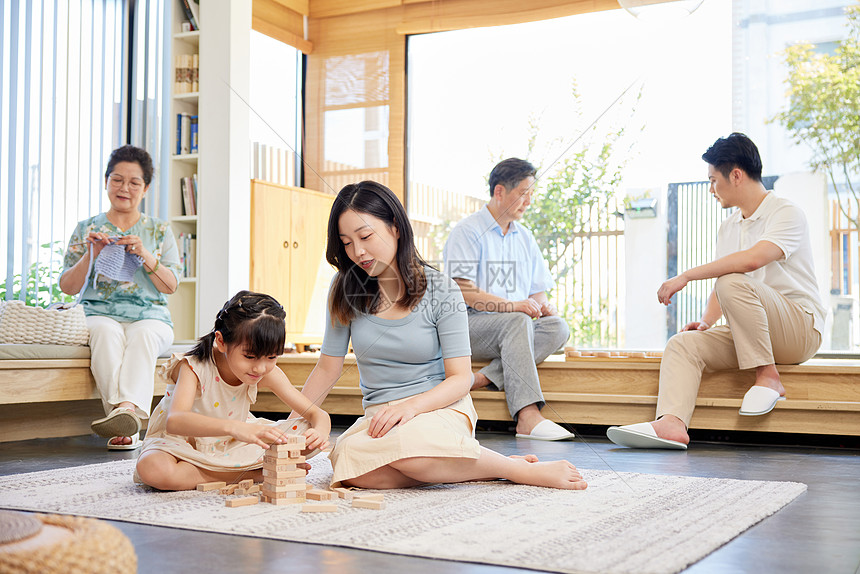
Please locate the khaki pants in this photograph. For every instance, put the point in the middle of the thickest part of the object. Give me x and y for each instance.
(764, 328)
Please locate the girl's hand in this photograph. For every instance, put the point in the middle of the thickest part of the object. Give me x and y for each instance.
(390, 416)
(314, 439)
(260, 435)
(134, 245)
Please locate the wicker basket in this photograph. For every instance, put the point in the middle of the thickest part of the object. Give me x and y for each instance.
(24, 325)
(92, 547)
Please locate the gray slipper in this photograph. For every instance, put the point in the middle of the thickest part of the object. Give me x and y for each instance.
(120, 422)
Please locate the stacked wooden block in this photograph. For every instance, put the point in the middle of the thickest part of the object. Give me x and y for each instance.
(283, 481)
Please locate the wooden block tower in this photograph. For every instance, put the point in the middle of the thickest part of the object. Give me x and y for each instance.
(283, 481)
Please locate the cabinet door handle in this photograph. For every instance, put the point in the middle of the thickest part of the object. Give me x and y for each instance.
(286, 244)
(295, 244)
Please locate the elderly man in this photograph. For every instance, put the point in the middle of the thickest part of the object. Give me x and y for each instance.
(504, 279)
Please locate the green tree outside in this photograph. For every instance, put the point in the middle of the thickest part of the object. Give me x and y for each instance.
(823, 110)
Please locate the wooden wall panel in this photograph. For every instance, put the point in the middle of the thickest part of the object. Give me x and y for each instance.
(350, 27)
(274, 19)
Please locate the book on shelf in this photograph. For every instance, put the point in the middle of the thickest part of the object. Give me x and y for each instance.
(193, 145)
(189, 195)
(195, 72)
(187, 243)
(182, 82)
(183, 133)
(189, 13)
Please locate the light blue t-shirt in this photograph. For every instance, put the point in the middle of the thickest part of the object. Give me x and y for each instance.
(126, 301)
(400, 358)
(506, 265)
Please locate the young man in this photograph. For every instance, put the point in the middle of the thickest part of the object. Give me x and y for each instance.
(765, 289)
(504, 279)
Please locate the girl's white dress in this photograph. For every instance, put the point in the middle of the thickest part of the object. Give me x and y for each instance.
(216, 399)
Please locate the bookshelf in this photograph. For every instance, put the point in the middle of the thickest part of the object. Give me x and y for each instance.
(184, 160)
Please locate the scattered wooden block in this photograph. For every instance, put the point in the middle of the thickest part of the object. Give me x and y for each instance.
(229, 489)
(377, 497)
(316, 494)
(603, 354)
(282, 501)
(637, 355)
(206, 486)
(319, 508)
(343, 493)
(573, 354)
(244, 501)
(569, 349)
(587, 353)
(247, 483)
(365, 503)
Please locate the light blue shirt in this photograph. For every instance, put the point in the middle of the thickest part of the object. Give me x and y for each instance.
(506, 265)
(133, 300)
(400, 358)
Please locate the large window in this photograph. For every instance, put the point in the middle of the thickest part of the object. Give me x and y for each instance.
(77, 79)
(275, 109)
(615, 112)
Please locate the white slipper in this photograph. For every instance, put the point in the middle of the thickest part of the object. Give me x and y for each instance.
(641, 435)
(121, 421)
(759, 401)
(135, 444)
(547, 430)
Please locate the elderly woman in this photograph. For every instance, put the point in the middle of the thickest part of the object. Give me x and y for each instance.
(128, 321)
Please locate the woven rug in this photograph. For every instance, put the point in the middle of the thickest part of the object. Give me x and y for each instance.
(617, 525)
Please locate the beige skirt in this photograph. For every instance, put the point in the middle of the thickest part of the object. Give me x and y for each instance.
(447, 432)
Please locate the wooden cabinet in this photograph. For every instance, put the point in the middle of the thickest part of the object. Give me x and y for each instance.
(288, 241)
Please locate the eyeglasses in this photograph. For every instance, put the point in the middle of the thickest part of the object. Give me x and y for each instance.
(118, 182)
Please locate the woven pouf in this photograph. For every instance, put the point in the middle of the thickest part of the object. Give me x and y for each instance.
(48, 544)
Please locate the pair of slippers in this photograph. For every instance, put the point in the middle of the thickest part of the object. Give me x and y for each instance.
(121, 422)
(757, 401)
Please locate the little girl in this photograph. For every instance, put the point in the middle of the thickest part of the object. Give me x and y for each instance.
(410, 332)
(201, 431)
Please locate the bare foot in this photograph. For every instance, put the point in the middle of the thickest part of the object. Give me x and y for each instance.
(671, 427)
(768, 376)
(554, 474)
(527, 458)
(118, 440)
(480, 381)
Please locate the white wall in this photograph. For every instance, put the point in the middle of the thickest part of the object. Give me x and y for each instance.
(224, 165)
(644, 272)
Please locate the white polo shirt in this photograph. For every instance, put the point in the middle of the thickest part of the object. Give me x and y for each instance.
(784, 224)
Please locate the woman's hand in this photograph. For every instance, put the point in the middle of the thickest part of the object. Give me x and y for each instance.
(97, 241)
(134, 245)
(390, 416)
(252, 433)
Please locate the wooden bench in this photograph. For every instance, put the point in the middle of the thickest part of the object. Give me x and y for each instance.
(57, 397)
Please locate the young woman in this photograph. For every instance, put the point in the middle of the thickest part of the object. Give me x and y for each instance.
(409, 330)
